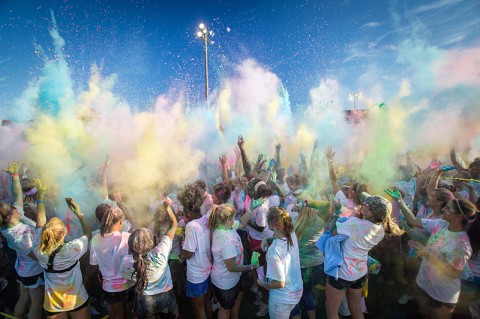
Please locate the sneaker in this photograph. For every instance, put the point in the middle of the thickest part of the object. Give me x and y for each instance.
(262, 311)
(405, 298)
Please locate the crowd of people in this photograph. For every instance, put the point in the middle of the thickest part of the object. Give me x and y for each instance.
(276, 226)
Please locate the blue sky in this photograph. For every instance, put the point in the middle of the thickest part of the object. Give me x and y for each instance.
(151, 45)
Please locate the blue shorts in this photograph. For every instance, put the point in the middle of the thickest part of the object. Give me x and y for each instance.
(197, 290)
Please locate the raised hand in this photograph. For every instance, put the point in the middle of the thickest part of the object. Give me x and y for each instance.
(315, 145)
(434, 164)
(12, 168)
(302, 157)
(107, 162)
(167, 201)
(223, 160)
(394, 193)
(240, 142)
(41, 188)
(278, 146)
(329, 153)
(75, 208)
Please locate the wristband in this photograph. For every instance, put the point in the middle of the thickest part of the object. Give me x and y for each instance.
(14, 175)
(40, 201)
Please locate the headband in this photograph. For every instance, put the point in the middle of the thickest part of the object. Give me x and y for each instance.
(257, 185)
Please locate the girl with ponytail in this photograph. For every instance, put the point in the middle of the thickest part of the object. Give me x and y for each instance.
(65, 294)
(227, 252)
(283, 278)
(147, 266)
(107, 249)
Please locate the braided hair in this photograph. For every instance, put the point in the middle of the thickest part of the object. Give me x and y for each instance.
(140, 243)
(277, 214)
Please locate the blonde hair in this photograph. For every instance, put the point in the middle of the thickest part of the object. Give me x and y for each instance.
(53, 234)
(219, 215)
(305, 219)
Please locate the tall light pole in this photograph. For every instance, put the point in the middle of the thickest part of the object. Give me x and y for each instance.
(355, 96)
(204, 34)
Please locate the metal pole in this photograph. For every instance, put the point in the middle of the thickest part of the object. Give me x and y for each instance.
(205, 38)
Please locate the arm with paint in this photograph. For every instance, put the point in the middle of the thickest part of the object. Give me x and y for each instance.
(4, 187)
(17, 187)
(238, 163)
(105, 177)
(75, 208)
(314, 157)
(303, 169)
(433, 182)
(409, 216)
(41, 214)
(329, 154)
(173, 228)
(278, 163)
(246, 164)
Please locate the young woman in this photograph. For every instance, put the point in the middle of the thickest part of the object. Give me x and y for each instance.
(308, 228)
(227, 252)
(106, 252)
(148, 267)
(65, 294)
(19, 238)
(444, 256)
(361, 236)
(197, 252)
(283, 279)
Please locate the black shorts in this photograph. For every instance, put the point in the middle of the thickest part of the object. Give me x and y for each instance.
(433, 302)
(119, 296)
(342, 284)
(227, 298)
(163, 305)
(32, 281)
(85, 304)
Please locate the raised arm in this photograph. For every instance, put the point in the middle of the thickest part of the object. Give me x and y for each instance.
(329, 154)
(455, 162)
(314, 157)
(173, 228)
(409, 217)
(223, 163)
(105, 178)
(17, 187)
(41, 214)
(246, 164)
(278, 163)
(433, 182)
(75, 208)
(238, 163)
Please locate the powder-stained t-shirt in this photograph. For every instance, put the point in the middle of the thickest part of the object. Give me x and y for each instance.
(259, 217)
(197, 241)
(20, 239)
(453, 248)
(107, 252)
(226, 244)
(158, 273)
(283, 264)
(362, 235)
(63, 291)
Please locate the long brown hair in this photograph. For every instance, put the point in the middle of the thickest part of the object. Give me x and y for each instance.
(110, 218)
(140, 243)
(276, 214)
(469, 211)
(53, 234)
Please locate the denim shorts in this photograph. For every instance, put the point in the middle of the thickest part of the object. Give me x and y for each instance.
(32, 282)
(119, 296)
(163, 304)
(197, 290)
(227, 298)
(342, 284)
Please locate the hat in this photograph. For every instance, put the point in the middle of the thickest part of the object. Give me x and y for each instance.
(379, 206)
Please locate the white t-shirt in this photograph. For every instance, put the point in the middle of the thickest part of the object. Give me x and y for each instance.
(197, 241)
(454, 249)
(159, 277)
(348, 206)
(19, 238)
(283, 264)
(273, 201)
(63, 291)
(226, 244)
(107, 252)
(259, 217)
(362, 235)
